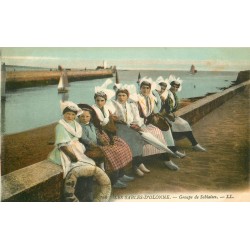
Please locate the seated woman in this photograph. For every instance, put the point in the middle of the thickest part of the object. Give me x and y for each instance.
(160, 93)
(149, 111)
(116, 151)
(180, 127)
(68, 151)
(132, 129)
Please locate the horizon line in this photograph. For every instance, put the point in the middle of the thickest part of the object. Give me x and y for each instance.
(123, 69)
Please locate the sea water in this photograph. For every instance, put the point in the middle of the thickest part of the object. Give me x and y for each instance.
(29, 108)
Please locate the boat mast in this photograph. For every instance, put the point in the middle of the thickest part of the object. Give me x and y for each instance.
(139, 77)
(3, 80)
(65, 79)
(116, 77)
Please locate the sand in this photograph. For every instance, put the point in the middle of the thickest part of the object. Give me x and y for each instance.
(26, 148)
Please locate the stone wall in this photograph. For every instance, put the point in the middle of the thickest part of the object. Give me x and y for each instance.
(42, 181)
(195, 111)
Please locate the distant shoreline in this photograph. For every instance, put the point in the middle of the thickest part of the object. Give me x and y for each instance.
(10, 68)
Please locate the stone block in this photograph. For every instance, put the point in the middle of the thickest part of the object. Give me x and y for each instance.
(42, 181)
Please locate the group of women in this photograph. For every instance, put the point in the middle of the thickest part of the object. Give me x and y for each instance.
(118, 133)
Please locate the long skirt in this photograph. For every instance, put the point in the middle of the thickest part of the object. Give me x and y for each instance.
(168, 137)
(135, 141)
(59, 157)
(116, 156)
(132, 138)
(180, 125)
(149, 149)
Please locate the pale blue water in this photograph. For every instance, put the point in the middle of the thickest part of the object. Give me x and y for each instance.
(30, 108)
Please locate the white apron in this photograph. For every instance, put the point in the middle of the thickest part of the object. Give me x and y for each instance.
(179, 125)
(59, 157)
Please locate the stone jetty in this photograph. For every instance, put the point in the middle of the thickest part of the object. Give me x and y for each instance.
(22, 79)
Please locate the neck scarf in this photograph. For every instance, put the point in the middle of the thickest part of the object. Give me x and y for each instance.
(147, 107)
(173, 101)
(103, 116)
(123, 111)
(77, 132)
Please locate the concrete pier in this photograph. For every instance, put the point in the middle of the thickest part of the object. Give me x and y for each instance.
(22, 79)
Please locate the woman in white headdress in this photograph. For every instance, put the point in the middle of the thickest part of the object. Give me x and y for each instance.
(119, 153)
(68, 151)
(149, 104)
(180, 127)
(144, 140)
(160, 90)
(161, 87)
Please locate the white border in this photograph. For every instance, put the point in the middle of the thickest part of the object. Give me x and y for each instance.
(122, 24)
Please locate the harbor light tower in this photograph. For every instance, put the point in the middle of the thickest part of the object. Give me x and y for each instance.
(104, 64)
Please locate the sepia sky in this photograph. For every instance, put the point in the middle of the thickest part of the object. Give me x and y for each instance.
(204, 58)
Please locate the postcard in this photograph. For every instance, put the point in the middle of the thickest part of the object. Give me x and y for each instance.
(153, 124)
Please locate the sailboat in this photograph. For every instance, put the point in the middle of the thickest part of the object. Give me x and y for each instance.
(139, 77)
(63, 85)
(192, 70)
